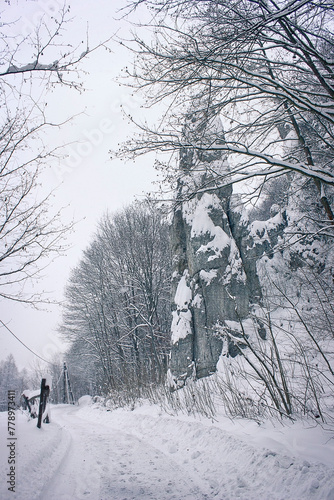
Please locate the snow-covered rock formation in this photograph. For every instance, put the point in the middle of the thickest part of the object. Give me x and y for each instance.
(215, 250)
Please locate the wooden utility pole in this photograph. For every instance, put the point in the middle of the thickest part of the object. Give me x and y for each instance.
(67, 390)
(64, 383)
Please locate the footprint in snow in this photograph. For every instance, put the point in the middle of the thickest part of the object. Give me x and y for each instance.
(173, 449)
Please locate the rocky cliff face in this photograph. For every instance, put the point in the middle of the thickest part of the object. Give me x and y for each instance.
(215, 251)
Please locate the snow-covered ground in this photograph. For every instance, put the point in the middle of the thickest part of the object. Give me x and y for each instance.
(90, 453)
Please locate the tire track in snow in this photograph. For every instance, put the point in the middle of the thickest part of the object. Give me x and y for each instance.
(227, 466)
(102, 463)
(43, 462)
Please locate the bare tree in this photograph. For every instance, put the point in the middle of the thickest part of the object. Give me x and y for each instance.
(118, 306)
(32, 63)
(265, 68)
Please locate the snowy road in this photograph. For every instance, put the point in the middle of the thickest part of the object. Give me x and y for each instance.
(102, 463)
(90, 453)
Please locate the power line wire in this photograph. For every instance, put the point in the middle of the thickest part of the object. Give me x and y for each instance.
(38, 356)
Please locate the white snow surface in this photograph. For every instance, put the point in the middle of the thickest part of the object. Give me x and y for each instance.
(181, 325)
(181, 322)
(88, 452)
(219, 241)
(259, 229)
(208, 276)
(183, 292)
(197, 215)
(31, 394)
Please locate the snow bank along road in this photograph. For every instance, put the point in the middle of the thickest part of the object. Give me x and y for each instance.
(89, 453)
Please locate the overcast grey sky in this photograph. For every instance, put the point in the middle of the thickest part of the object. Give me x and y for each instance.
(87, 183)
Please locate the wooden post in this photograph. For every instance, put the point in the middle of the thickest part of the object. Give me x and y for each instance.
(70, 393)
(64, 384)
(42, 403)
(27, 404)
